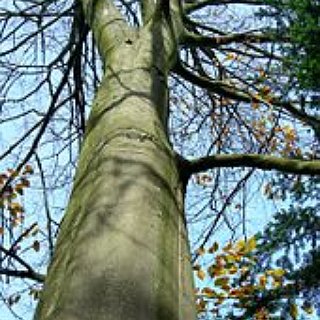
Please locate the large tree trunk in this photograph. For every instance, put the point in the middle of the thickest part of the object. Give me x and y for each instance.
(122, 250)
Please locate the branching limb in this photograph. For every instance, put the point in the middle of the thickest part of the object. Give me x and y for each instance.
(46, 205)
(232, 92)
(23, 274)
(259, 161)
(192, 39)
(197, 5)
(28, 273)
(106, 22)
(219, 87)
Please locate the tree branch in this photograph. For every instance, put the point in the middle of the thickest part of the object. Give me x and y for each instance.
(192, 39)
(263, 162)
(190, 7)
(107, 23)
(232, 92)
(29, 273)
(219, 87)
(23, 274)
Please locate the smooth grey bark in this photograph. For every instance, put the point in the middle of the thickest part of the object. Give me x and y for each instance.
(122, 251)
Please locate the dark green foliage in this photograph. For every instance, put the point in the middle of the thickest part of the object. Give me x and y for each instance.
(291, 241)
(299, 19)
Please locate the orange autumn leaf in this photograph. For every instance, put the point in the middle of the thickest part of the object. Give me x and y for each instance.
(201, 274)
(262, 314)
(201, 251)
(262, 280)
(201, 305)
(15, 207)
(255, 105)
(209, 292)
(28, 169)
(214, 248)
(196, 267)
(25, 182)
(221, 281)
(265, 90)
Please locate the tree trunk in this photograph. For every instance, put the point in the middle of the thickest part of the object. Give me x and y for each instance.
(122, 250)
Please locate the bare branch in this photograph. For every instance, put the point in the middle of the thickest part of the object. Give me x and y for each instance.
(29, 273)
(231, 91)
(190, 7)
(259, 161)
(216, 86)
(23, 274)
(192, 39)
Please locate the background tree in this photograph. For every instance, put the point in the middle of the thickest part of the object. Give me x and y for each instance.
(233, 112)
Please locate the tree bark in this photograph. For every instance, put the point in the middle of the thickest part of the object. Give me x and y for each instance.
(122, 251)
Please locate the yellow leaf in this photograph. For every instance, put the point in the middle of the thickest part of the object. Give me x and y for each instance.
(262, 73)
(255, 105)
(276, 284)
(226, 287)
(216, 271)
(293, 311)
(290, 135)
(35, 292)
(220, 300)
(25, 182)
(201, 251)
(201, 274)
(244, 271)
(233, 270)
(221, 281)
(251, 244)
(201, 305)
(3, 178)
(28, 169)
(262, 314)
(240, 245)
(13, 173)
(265, 90)
(228, 247)
(307, 307)
(220, 261)
(214, 248)
(276, 273)
(15, 208)
(263, 280)
(209, 292)
(230, 258)
(231, 56)
(19, 188)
